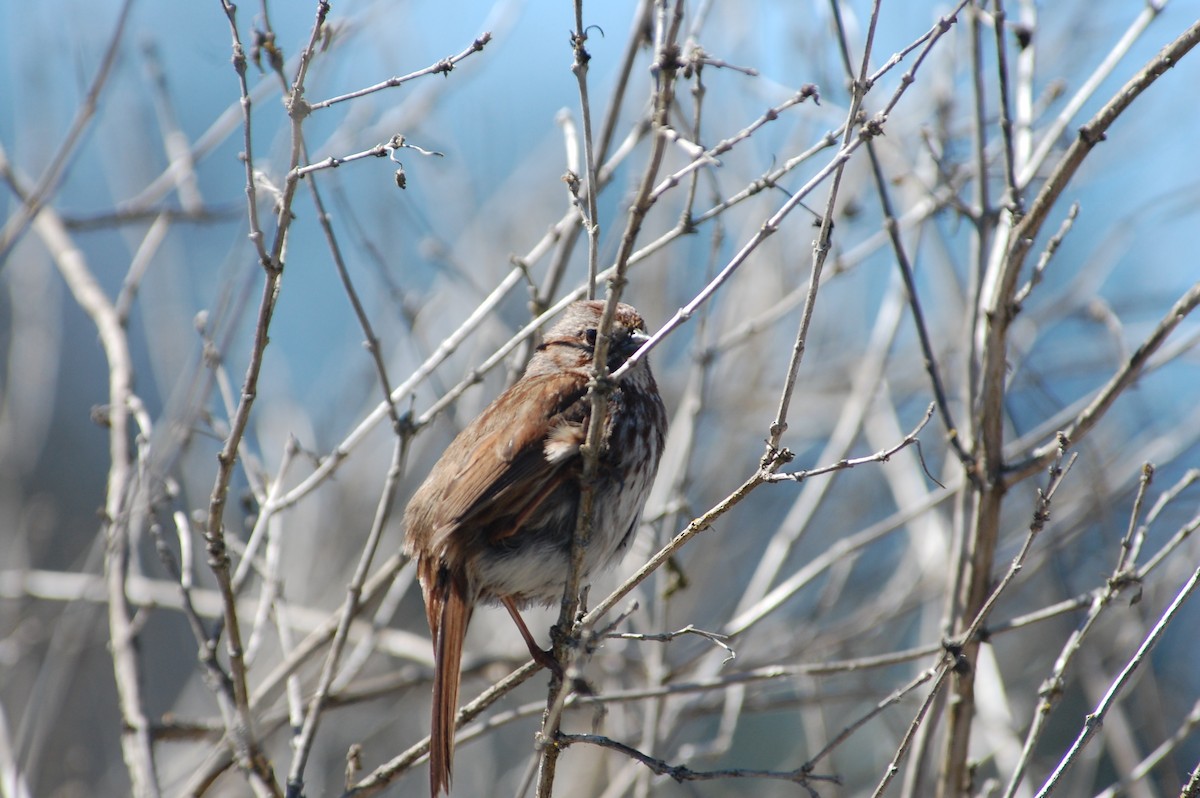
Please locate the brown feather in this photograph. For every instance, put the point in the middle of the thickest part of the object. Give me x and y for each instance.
(494, 520)
(505, 463)
(449, 597)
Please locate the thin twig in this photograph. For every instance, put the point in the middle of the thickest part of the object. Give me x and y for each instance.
(682, 773)
(666, 637)
(991, 342)
(910, 288)
(136, 740)
(350, 609)
(1044, 260)
(1014, 202)
(360, 313)
(249, 755)
(579, 68)
(1051, 689)
(34, 197)
(599, 388)
(1053, 133)
(918, 722)
(847, 732)
(1126, 376)
(385, 774)
(443, 67)
(881, 456)
(1095, 718)
(821, 246)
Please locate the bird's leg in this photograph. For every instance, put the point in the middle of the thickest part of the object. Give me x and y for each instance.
(540, 655)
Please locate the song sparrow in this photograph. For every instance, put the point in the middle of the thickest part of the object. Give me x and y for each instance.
(494, 520)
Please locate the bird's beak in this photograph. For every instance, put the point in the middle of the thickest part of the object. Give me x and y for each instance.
(632, 342)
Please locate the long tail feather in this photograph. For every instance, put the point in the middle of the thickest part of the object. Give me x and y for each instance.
(452, 620)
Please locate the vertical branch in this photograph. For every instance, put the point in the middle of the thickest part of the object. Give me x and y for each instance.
(307, 736)
(304, 740)
(859, 87)
(698, 91)
(911, 735)
(1026, 69)
(137, 744)
(664, 68)
(983, 199)
(580, 69)
(910, 286)
(603, 175)
(1013, 200)
(976, 543)
(248, 754)
(983, 225)
(360, 313)
(1055, 130)
(641, 21)
(137, 739)
(995, 317)
(239, 68)
(676, 471)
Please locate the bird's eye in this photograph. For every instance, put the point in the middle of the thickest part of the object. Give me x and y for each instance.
(590, 335)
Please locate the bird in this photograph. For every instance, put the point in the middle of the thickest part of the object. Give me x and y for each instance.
(494, 520)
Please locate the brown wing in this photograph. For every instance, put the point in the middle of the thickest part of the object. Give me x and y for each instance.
(496, 472)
